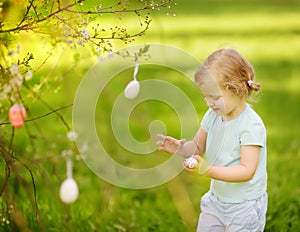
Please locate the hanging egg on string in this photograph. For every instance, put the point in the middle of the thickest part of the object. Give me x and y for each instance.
(69, 189)
(17, 114)
(133, 87)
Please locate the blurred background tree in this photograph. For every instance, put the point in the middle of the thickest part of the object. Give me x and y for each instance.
(75, 25)
(70, 24)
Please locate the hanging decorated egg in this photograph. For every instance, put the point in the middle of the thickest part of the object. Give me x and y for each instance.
(69, 191)
(17, 114)
(132, 89)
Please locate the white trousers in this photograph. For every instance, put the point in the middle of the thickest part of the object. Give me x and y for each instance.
(217, 216)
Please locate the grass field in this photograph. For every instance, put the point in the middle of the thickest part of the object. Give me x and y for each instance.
(267, 33)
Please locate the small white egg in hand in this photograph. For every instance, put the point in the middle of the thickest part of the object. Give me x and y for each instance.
(191, 162)
(132, 89)
(69, 191)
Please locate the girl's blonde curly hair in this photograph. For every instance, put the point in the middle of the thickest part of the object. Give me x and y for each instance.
(231, 71)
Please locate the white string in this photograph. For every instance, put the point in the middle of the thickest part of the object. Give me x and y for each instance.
(69, 168)
(136, 68)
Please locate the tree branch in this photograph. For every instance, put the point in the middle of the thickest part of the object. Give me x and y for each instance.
(69, 7)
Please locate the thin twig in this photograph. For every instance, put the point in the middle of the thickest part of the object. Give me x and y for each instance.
(11, 139)
(8, 158)
(56, 111)
(25, 184)
(27, 26)
(26, 13)
(45, 115)
(7, 171)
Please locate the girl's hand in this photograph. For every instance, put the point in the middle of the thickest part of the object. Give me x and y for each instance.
(169, 144)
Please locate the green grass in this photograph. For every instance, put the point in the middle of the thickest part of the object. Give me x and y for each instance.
(267, 34)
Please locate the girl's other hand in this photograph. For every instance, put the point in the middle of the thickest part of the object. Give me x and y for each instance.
(169, 144)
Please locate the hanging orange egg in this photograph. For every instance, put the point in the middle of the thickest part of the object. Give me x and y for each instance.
(17, 114)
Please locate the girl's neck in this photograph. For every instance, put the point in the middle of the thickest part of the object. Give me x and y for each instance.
(235, 112)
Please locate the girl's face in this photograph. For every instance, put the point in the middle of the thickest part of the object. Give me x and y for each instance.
(223, 102)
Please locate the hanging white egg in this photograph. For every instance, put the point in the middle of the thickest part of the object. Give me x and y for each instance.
(132, 89)
(191, 162)
(69, 191)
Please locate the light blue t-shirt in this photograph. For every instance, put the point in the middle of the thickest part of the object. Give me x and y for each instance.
(223, 149)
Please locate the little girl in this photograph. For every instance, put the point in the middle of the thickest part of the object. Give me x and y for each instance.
(233, 138)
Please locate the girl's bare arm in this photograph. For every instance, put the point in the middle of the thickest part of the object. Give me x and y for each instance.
(182, 147)
(238, 173)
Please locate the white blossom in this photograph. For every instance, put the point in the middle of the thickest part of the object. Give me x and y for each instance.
(110, 54)
(85, 34)
(6, 89)
(84, 148)
(14, 70)
(72, 136)
(16, 81)
(28, 75)
(16, 78)
(66, 153)
(98, 51)
(80, 42)
(3, 95)
(101, 59)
